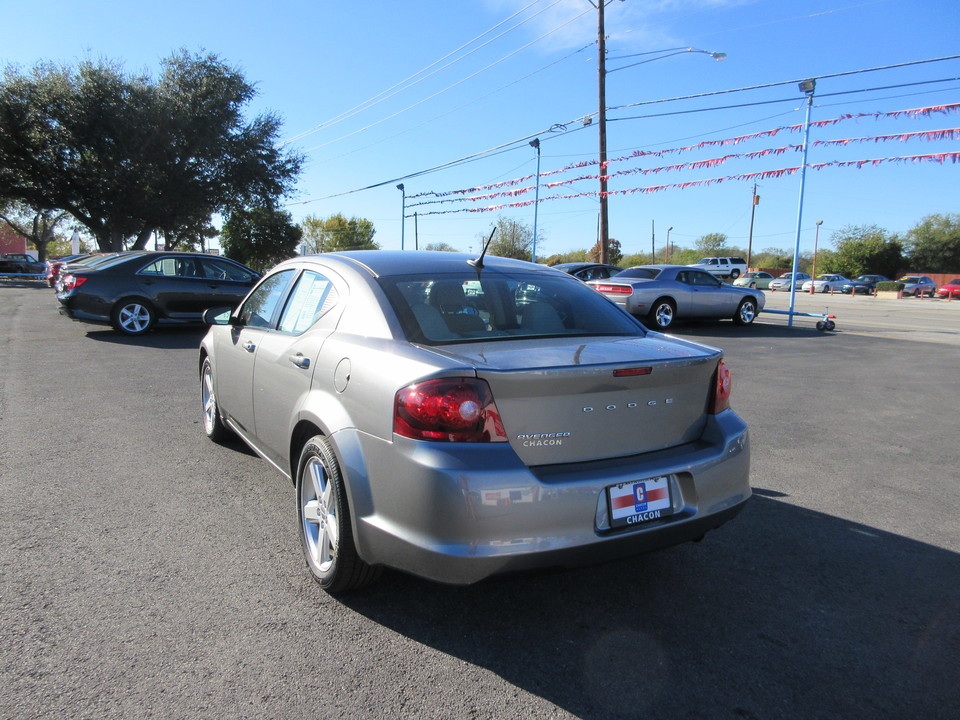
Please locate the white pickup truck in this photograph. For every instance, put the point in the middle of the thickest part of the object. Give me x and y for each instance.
(724, 267)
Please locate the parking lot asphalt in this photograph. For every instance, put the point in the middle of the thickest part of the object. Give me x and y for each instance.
(148, 573)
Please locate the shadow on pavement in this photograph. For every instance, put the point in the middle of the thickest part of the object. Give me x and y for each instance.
(783, 613)
(164, 338)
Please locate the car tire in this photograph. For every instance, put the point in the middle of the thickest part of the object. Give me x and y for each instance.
(746, 312)
(323, 517)
(753, 285)
(213, 425)
(133, 316)
(662, 313)
(734, 274)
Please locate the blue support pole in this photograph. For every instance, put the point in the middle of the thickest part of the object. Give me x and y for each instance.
(808, 87)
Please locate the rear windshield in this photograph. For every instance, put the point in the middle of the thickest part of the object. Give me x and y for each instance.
(452, 308)
(638, 272)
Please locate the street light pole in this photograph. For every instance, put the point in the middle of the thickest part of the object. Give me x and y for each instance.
(403, 212)
(536, 199)
(753, 210)
(808, 87)
(666, 252)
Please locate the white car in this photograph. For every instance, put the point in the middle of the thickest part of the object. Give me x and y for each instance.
(825, 283)
(783, 283)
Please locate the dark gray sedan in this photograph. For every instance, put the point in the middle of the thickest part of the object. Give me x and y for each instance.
(457, 418)
(136, 291)
(662, 293)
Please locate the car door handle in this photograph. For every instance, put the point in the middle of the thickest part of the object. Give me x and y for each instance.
(249, 346)
(300, 361)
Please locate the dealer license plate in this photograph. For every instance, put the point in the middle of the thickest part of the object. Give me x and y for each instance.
(638, 502)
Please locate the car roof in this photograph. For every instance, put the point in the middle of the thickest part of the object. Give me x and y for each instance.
(383, 263)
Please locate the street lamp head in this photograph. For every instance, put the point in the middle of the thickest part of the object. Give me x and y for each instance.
(808, 86)
(718, 56)
(535, 143)
(400, 186)
(819, 223)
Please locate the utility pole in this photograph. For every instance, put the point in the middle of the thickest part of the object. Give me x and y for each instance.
(602, 128)
(753, 208)
(653, 244)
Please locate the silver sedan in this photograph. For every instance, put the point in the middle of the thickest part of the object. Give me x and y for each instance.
(662, 293)
(457, 418)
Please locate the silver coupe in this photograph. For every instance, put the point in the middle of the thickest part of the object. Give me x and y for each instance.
(458, 417)
(664, 293)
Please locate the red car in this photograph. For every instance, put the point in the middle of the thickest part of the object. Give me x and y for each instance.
(56, 265)
(951, 289)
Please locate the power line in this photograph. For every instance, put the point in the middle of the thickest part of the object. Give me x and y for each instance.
(514, 144)
(402, 85)
(449, 87)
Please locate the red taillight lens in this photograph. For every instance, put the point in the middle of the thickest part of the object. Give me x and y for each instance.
(721, 389)
(616, 289)
(71, 282)
(448, 410)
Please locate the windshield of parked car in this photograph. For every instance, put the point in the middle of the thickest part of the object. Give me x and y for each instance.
(644, 273)
(451, 308)
(910, 279)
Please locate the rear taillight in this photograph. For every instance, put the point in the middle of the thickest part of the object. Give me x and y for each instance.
(721, 389)
(71, 282)
(616, 289)
(448, 410)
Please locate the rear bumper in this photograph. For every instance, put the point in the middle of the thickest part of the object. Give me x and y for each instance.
(82, 316)
(460, 513)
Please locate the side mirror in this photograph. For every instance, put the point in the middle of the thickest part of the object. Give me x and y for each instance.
(218, 316)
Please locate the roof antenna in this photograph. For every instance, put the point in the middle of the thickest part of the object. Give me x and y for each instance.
(478, 262)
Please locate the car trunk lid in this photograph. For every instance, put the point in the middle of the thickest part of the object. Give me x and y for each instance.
(576, 400)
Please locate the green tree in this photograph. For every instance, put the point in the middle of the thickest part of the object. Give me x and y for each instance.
(441, 247)
(933, 245)
(712, 244)
(862, 249)
(127, 156)
(260, 237)
(614, 252)
(40, 228)
(337, 234)
(513, 239)
(568, 257)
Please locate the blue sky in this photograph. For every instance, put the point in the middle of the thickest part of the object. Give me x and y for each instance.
(376, 92)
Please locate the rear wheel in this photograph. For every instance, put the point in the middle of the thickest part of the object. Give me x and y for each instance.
(323, 516)
(662, 313)
(133, 316)
(212, 423)
(746, 312)
(734, 274)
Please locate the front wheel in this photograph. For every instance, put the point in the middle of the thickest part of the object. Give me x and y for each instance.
(324, 519)
(662, 313)
(746, 312)
(132, 316)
